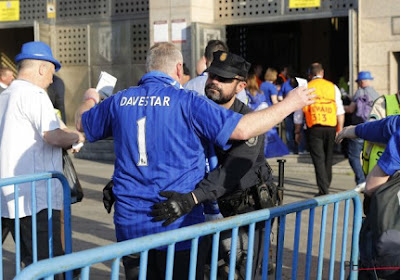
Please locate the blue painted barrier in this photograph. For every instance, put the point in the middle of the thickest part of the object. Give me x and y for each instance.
(84, 259)
(16, 181)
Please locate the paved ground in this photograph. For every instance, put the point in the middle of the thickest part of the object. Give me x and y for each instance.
(93, 227)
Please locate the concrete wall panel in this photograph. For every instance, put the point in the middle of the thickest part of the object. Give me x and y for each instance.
(110, 43)
(376, 30)
(202, 11)
(375, 53)
(377, 41)
(76, 80)
(381, 8)
(381, 77)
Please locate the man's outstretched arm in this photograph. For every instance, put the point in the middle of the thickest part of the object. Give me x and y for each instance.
(259, 122)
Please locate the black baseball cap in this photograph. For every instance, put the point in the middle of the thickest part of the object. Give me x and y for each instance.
(229, 65)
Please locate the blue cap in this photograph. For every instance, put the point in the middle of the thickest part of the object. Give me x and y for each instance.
(364, 75)
(39, 51)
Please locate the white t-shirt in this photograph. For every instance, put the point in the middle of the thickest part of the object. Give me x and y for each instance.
(26, 113)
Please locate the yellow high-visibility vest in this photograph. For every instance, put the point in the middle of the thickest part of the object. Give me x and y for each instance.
(323, 111)
(372, 151)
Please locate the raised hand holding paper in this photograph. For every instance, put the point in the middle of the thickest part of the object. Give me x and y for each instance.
(106, 84)
(302, 82)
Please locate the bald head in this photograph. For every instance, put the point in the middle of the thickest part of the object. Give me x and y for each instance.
(38, 72)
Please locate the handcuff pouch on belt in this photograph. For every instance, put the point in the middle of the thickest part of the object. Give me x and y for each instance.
(257, 197)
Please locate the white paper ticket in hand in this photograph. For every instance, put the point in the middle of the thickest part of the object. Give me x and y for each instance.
(302, 82)
(106, 84)
(77, 146)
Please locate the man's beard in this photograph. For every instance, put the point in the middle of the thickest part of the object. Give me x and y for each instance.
(215, 94)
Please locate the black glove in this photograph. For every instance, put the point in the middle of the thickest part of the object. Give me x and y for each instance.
(177, 205)
(108, 196)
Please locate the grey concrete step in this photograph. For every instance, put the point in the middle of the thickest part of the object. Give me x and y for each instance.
(303, 164)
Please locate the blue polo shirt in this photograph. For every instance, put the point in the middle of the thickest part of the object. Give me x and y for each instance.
(159, 131)
(268, 89)
(197, 84)
(285, 88)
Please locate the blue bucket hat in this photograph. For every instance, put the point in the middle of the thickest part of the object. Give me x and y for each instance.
(38, 51)
(364, 75)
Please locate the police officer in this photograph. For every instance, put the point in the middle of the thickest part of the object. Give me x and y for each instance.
(243, 180)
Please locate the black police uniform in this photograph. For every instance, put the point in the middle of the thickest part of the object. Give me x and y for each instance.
(239, 168)
(236, 183)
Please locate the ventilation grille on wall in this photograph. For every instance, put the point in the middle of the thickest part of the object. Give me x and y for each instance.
(249, 8)
(126, 7)
(93, 8)
(32, 10)
(258, 10)
(87, 8)
(140, 41)
(72, 45)
(326, 5)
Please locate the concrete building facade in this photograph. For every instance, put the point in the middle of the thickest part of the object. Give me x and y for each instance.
(90, 36)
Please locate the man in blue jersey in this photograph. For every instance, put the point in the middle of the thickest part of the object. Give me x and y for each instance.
(242, 182)
(159, 130)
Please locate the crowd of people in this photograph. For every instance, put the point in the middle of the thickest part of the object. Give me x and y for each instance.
(194, 145)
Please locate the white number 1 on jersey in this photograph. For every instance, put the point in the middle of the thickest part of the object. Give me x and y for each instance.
(141, 125)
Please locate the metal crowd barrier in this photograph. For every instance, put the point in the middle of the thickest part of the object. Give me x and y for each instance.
(15, 181)
(348, 252)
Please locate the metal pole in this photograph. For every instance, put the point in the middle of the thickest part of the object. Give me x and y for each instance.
(351, 52)
(280, 201)
(281, 187)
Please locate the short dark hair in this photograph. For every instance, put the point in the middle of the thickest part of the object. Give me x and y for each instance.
(212, 47)
(315, 69)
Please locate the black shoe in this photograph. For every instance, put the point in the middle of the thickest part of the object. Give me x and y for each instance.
(319, 194)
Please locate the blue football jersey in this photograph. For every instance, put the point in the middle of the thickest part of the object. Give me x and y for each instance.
(158, 132)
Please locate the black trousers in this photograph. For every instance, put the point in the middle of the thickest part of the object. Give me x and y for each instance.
(321, 141)
(157, 260)
(8, 225)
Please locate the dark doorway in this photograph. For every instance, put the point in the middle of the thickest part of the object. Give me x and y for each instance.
(12, 40)
(294, 43)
